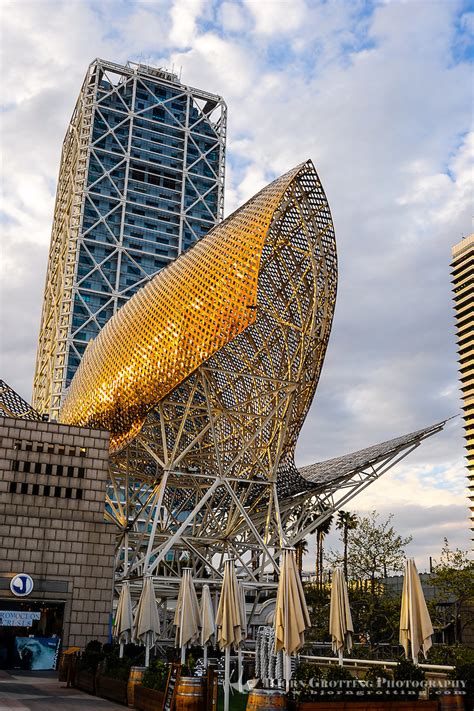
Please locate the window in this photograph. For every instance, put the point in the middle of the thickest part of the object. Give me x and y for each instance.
(24, 488)
(49, 469)
(57, 491)
(59, 469)
(81, 472)
(12, 488)
(35, 490)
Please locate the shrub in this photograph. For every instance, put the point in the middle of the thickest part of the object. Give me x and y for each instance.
(91, 657)
(375, 675)
(116, 667)
(338, 673)
(156, 675)
(305, 681)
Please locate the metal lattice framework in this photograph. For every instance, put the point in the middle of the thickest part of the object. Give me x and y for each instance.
(13, 405)
(204, 379)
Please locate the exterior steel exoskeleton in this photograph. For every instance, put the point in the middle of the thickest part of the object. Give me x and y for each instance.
(141, 179)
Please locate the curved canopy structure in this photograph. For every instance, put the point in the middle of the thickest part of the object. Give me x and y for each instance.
(269, 269)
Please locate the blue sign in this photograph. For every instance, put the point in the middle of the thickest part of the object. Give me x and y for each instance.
(37, 652)
(21, 585)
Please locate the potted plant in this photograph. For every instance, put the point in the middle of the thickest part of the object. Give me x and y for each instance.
(336, 689)
(464, 674)
(87, 665)
(112, 676)
(150, 693)
(376, 683)
(411, 676)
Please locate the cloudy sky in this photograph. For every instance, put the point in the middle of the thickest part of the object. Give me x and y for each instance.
(378, 95)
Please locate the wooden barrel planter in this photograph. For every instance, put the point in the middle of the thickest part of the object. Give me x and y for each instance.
(191, 694)
(148, 699)
(112, 689)
(266, 700)
(135, 678)
(451, 702)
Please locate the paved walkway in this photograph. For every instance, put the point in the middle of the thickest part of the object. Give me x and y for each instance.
(41, 691)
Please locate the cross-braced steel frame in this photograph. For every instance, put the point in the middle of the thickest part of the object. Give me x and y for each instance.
(129, 122)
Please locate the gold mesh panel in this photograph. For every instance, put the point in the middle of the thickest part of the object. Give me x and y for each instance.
(183, 316)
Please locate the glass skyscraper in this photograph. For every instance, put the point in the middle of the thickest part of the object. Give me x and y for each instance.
(141, 179)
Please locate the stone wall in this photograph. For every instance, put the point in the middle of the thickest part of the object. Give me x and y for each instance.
(52, 494)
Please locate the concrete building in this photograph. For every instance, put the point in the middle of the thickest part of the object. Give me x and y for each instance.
(56, 550)
(141, 179)
(463, 289)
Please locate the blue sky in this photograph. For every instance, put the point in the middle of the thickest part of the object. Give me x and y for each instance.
(379, 96)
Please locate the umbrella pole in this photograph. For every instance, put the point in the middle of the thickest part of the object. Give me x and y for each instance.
(239, 670)
(341, 656)
(183, 654)
(205, 656)
(147, 655)
(287, 671)
(226, 678)
(121, 650)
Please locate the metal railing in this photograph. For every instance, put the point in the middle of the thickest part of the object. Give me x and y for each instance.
(355, 663)
(350, 661)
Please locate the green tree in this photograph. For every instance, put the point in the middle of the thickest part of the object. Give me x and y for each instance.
(374, 550)
(301, 549)
(454, 578)
(346, 522)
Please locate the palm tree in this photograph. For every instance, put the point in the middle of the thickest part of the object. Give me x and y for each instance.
(301, 549)
(321, 531)
(346, 521)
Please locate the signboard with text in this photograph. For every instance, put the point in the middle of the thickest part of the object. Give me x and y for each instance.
(17, 618)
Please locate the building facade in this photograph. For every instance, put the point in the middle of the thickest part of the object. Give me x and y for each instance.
(463, 289)
(53, 532)
(141, 179)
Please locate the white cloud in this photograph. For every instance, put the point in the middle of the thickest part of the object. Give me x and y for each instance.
(184, 14)
(232, 17)
(276, 16)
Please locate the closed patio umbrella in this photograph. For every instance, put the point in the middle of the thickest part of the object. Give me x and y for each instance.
(416, 629)
(123, 623)
(291, 612)
(208, 623)
(187, 618)
(229, 621)
(340, 618)
(147, 620)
